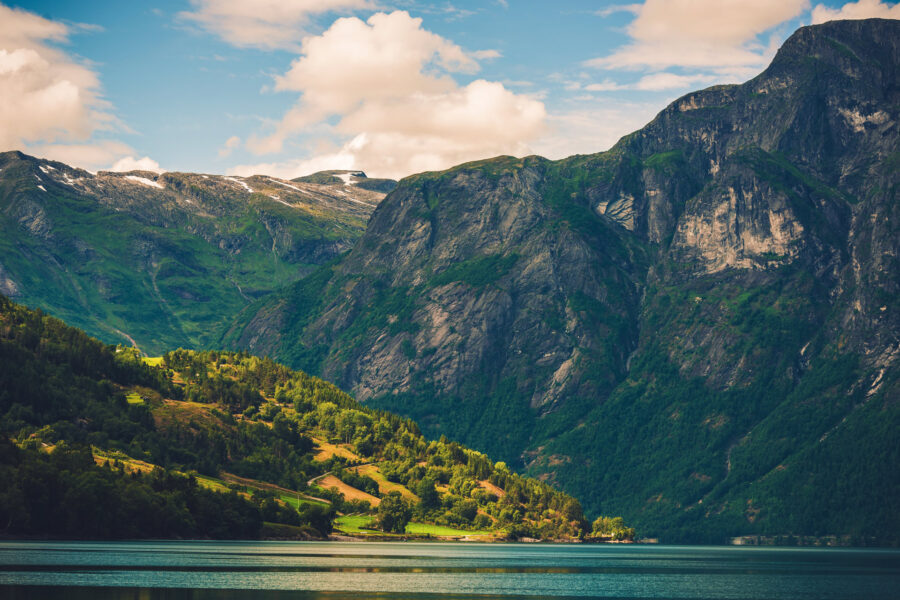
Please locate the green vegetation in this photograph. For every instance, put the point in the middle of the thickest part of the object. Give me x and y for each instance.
(366, 525)
(354, 523)
(613, 528)
(442, 531)
(393, 514)
(168, 268)
(218, 427)
(65, 493)
(477, 272)
(665, 161)
(679, 455)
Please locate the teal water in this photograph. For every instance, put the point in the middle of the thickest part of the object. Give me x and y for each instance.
(348, 570)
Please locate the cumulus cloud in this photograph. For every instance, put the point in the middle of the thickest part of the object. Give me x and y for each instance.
(266, 24)
(50, 102)
(45, 94)
(130, 163)
(700, 33)
(388, 84)
(863, 9)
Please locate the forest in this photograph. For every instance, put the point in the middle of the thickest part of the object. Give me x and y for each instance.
(228, 445)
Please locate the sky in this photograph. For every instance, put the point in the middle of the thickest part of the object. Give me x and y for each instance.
(290, 87)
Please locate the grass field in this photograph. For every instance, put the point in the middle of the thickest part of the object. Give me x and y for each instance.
(440, 530)
(354, 523)
(134, 398)
(153, 361)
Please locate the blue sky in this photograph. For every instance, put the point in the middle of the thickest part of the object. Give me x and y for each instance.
(286, 87)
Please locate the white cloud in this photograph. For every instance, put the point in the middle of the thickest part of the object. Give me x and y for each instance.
(486, 54)
(50, 102)
(863, 9)
(266, 24)
(130, 163)
(388, 83)
(700, 33)
(230, 145)
(45, 95)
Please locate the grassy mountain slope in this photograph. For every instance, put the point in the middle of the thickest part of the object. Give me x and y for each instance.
(162, 260)
(697, 329)
(195, 433)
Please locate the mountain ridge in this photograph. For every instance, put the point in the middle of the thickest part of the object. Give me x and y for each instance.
(162, 260)
(664, 328)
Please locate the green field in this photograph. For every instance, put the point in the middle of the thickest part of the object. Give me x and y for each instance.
(440, 530)
(134, 398)
(353, 523)
(358, 524)
(153, 361)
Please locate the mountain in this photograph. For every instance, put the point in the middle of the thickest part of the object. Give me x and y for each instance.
(347, 178)
(98, 442)
(697, 329)
(163, 261)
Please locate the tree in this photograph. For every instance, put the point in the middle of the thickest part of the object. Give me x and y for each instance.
(612, 527)
(427, 494)
(393, 513)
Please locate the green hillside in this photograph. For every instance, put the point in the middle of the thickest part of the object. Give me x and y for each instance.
(98, 442)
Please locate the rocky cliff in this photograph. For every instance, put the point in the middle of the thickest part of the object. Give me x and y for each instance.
(697, 329)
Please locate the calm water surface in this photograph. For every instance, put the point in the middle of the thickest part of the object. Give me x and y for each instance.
(347, 570)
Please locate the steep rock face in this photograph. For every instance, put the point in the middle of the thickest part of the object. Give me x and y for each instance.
(162, 260)
(469, 285)
(685, 329)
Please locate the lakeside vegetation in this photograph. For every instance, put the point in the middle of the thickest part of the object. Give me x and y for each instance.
(227, 445)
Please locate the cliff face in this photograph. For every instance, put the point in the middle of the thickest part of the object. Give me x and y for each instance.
(162, 260)
(683, 329)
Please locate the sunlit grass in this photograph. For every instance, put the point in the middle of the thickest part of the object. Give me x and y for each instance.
(440, 530)
(354, 523)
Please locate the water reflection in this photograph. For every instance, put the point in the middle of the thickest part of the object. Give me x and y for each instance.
(334, 571)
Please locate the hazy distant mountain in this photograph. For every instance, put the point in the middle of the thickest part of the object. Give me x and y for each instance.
(163, 260)
(697, 329)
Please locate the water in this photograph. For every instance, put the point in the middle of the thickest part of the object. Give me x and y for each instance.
(347, 570)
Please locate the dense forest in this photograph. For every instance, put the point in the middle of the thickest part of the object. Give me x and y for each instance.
(99, 442)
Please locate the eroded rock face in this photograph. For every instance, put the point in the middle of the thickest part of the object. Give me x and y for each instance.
(733, 246)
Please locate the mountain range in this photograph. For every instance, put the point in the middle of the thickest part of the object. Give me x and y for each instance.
(166, 260)
(697, 329)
